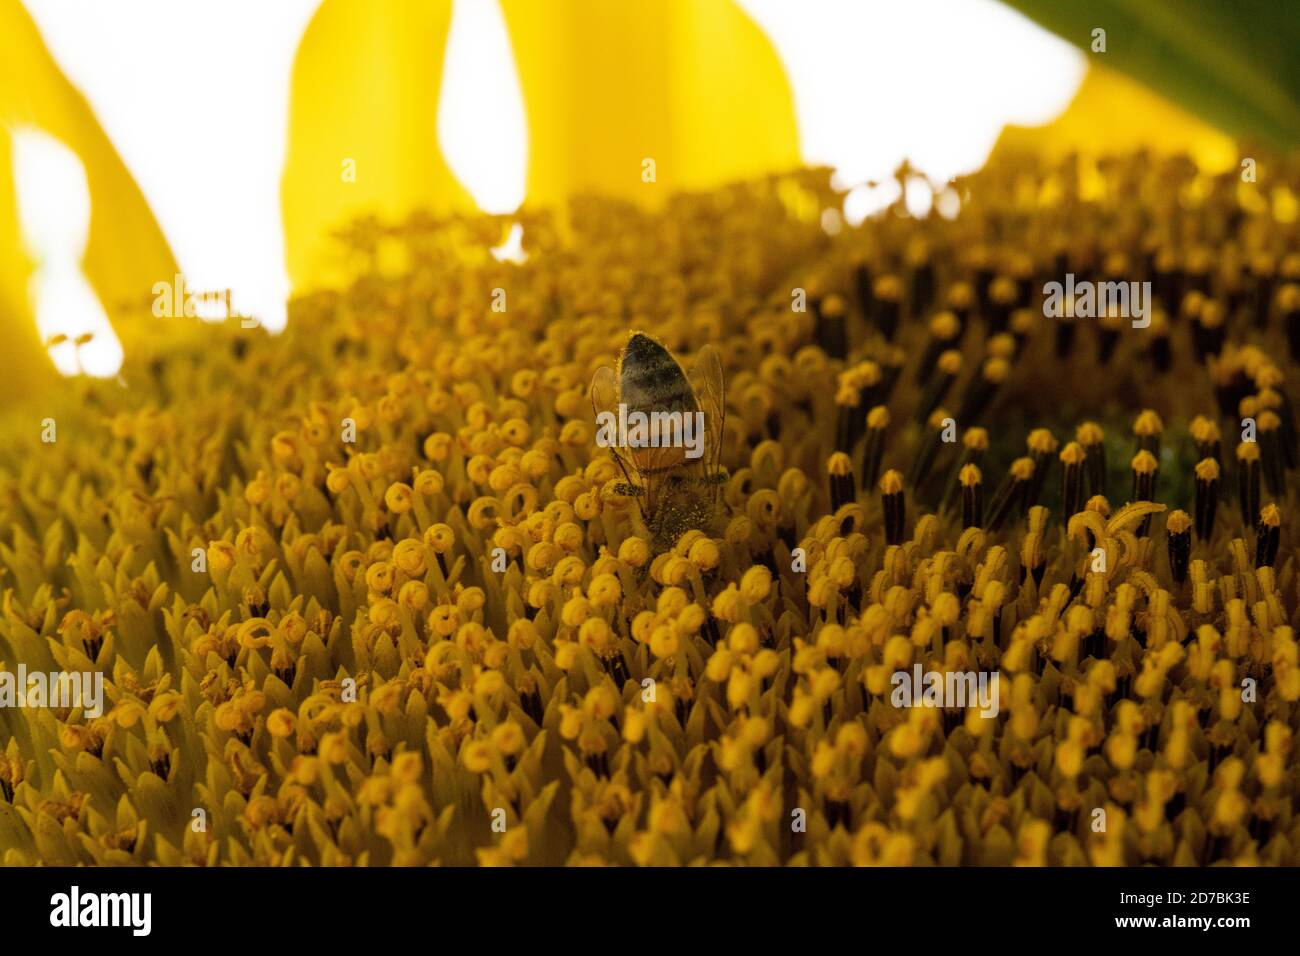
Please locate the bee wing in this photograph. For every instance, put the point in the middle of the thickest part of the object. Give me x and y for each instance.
(706, 380)
(604, 399)
(604, 391)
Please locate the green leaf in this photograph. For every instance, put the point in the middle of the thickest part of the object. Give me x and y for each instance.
(1234, 65)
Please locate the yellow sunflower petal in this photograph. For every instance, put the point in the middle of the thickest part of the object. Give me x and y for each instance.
(692, 85)
(363, 127)
(1112, 113)
(125, 249)
(24, 364)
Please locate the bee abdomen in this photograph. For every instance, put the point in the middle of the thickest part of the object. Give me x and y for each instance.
(651, 379)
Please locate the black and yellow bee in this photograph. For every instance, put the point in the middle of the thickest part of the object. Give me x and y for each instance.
(676, 484)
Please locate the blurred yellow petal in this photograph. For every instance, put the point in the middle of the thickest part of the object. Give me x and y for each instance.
(24, 364)
(693, 85)
(125, 249)
(363, 127)
(1113, 114)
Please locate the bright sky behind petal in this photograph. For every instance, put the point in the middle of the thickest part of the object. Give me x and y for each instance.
(195, 97)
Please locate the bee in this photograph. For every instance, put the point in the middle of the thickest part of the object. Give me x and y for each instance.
(670, 454)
